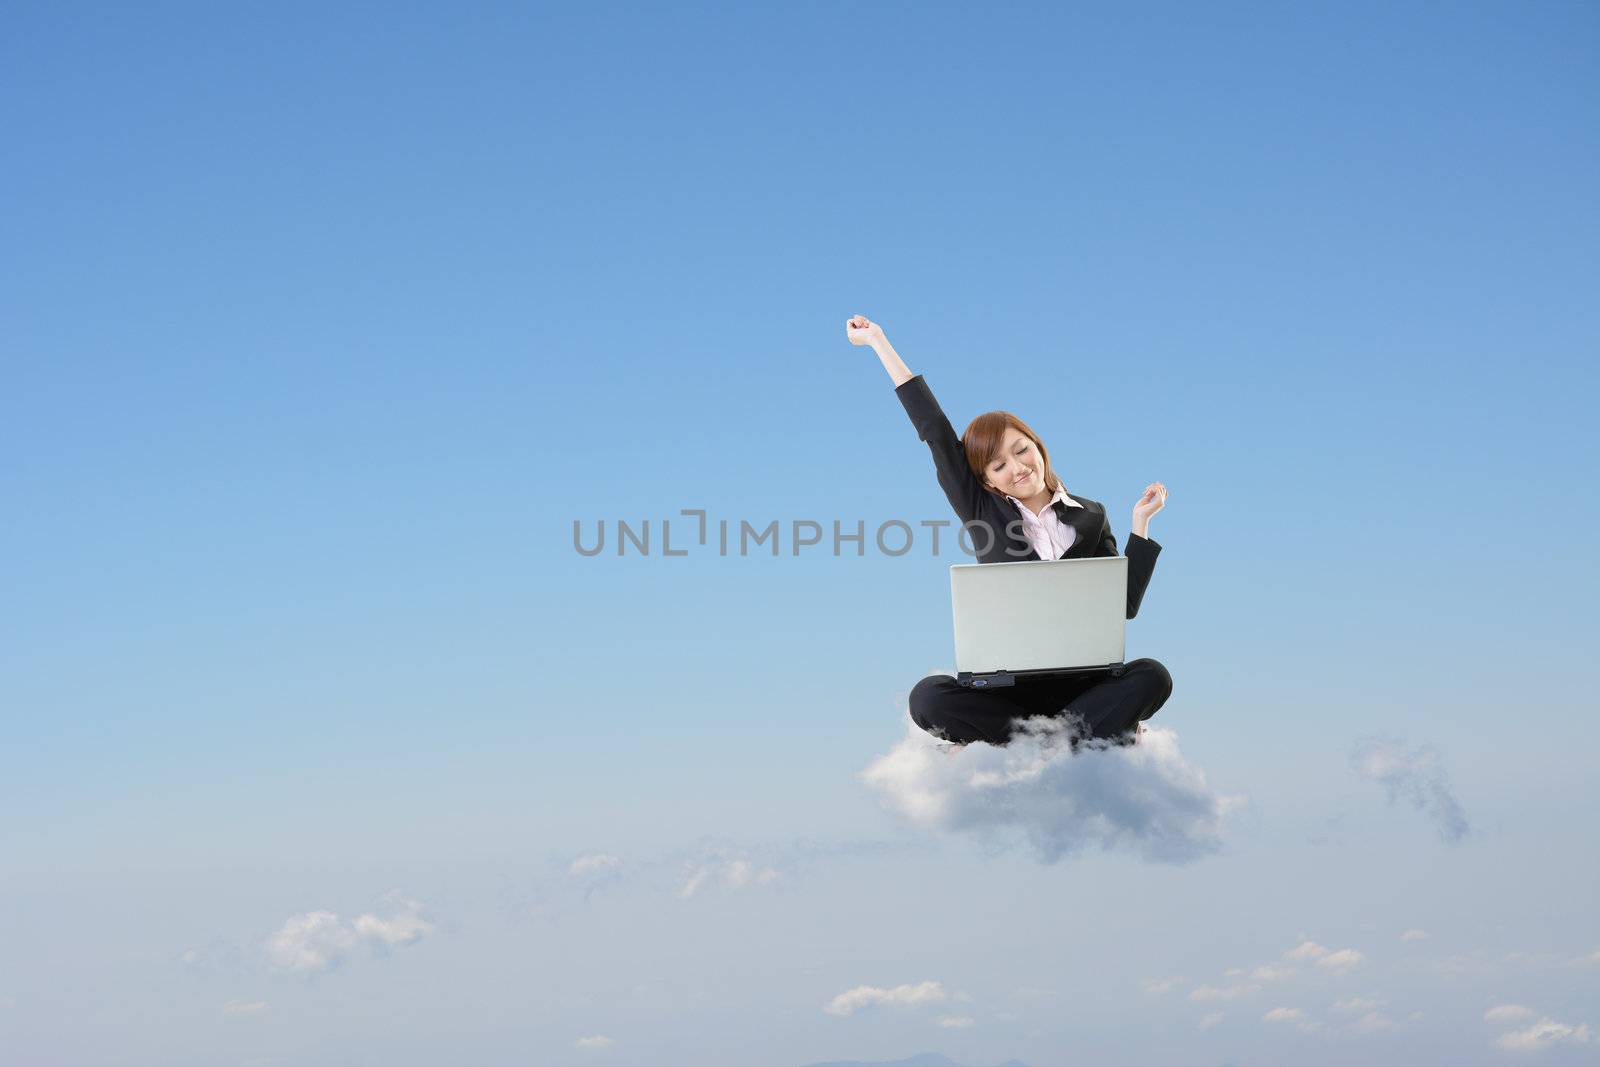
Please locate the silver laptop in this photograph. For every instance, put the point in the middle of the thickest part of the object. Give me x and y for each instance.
(1038, 617)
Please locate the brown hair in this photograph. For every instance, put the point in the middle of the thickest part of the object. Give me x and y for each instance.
(982, 441)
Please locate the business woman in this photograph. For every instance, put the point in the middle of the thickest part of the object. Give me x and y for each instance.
(998, 479)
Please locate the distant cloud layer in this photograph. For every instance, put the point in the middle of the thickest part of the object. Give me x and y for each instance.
(1143, 798)
(319, 940)
(1415, 775)
(1278, 978)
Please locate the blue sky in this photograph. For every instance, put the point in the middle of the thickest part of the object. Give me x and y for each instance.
(322, 744)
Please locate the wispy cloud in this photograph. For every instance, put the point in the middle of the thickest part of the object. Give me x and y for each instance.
(1227, 992)
(239, 1009)
(1542, 1035)
(1161, 985)
(597, 1043)
(1508, 1013)
(1340, 961)
(686, 870)
(593, 871)
(1416, 775)
(866, 996)
(954, 1022)
(1374, 1022)
(1352, 1005)
(1144, 798)
(592, 864)
(1414, 935)
(319, 940)
(1239, 983)
(1292, 1017)
(729, 875)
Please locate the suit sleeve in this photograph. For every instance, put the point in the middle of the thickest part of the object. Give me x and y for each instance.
(1142, 553)
(961, 487)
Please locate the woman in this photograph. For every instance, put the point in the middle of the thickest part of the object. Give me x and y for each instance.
(999, 480)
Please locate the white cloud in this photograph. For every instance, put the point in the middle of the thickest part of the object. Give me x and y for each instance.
(1293, 1016)
(1306, 950)
(1211, 1019)
(1143, 798)
(243, 1008)
(593, 1044)
(1340, 962)
(731, 875)
(312, 941)
(403, 926)
(1416, 775)
(1161, 985)
(693, 880)
(1268, 972)
(318, 940)
(954, 1022)
(591, 864)
(865, 996)
(1508, 1013)
(593, 871)
(1542, 1035)
(1414, 935)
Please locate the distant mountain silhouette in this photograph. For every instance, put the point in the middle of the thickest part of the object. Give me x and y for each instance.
(926, 1059)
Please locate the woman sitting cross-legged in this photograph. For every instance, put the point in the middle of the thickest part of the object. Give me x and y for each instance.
(998, 475)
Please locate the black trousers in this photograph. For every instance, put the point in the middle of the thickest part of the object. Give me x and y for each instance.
(1111, 707)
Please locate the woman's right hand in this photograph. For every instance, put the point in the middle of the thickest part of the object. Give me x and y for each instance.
(862, 330)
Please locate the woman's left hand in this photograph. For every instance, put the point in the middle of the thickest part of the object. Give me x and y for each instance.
(1154, 499)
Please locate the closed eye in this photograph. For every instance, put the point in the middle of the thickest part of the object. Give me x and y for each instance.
(1018, 452)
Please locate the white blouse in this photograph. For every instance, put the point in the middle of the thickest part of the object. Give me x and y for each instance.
(1049, 536)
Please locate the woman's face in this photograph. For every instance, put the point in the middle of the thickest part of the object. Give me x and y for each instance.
(1017, 469)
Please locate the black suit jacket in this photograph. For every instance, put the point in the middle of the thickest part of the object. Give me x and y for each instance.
(997, 532)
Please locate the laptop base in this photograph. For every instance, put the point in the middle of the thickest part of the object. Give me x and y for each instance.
(997, 679)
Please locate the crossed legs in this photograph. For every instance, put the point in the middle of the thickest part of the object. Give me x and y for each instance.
(1110, 706)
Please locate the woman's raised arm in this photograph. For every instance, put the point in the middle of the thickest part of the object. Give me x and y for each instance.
(961, 487)
(863, 331)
